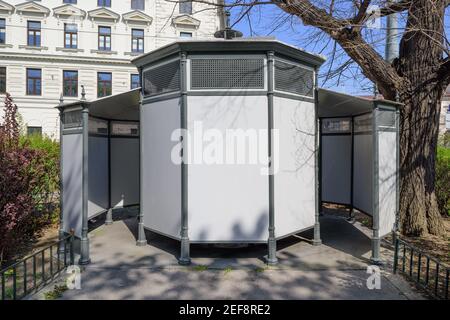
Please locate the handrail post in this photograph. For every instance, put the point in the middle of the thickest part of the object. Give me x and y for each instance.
(396, 243)
(72, 254)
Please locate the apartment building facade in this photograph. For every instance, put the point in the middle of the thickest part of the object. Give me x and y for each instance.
(51, 48)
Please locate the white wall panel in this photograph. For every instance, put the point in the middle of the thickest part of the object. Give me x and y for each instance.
(363, 172)
(387, 142)
(72, 182)
(336, 168)
(98, 175)
(228, 202)
(161, 178)
(124, 171)
(295, 179)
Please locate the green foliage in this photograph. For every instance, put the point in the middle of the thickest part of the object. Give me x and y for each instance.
(443, 174)
(29, 193)
(56, 293)
(200, 268)
(49, 150)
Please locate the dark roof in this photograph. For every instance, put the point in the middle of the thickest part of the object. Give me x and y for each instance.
(257, 45)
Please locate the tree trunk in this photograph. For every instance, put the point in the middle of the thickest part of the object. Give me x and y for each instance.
(419, 211)
(419, 62)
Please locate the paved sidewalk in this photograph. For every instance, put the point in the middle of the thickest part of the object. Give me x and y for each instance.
(334, 270)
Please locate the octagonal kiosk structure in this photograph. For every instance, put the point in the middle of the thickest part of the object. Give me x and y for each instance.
(228, 134)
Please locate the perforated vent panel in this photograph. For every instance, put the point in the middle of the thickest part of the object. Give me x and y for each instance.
(162, 79)
(125, 129)
(293, 79)
(363, 123)
(386, 119)
(336, 125)
(98, 126)
(227, 73)
(72, 119)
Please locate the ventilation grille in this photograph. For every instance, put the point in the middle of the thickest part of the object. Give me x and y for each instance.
(363, 123)
(227, 73)
(162, 79)
(72, 119)
(98, 126)
(386, 119)
(130, 129)
(293, 79)
(336, 125)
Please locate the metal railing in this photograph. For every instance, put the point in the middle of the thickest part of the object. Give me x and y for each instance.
(426, 271)
(31, 273)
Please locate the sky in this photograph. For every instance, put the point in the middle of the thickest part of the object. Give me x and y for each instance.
(269, 20)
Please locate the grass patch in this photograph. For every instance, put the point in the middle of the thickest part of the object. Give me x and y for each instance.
(56, 293)
(200, 268)
(260, 269)
(227, 270)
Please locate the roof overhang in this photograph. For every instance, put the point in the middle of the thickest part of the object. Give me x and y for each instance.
(122, 106)
(229, 46)
(335, 104)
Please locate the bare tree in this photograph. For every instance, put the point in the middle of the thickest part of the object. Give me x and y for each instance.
(417, 78)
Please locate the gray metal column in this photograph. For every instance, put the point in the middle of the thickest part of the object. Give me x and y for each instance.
(272, 242)
(375, 258)
(184, 233)
(397, 176)
(61, 232)
(84, 243)
(109, 218)
(142, 240)
(317, 163)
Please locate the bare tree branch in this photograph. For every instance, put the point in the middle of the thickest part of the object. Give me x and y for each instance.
(372, 64)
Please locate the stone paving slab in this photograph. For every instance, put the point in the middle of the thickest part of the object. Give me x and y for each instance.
(334, 270)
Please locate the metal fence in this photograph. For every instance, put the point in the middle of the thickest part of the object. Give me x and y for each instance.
(426, 271)
(29, 274)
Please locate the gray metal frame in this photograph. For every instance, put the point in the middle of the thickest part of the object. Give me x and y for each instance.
(84, 243)
(271, 242)
(184, 232)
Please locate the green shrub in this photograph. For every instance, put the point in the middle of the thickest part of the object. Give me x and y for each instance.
(29, 194)
(49, 150)
(443, 175)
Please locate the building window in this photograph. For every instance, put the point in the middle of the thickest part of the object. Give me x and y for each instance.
(2, 31)
(2, 79)
(34, 82)
(186, 34)
(104, 38)
(135, 81)
(70, 83)
(138, 4)
(31, 131)
(104, 84)
(104, 3)
(34, 33)
(186, 7)
(70, 1)
(137, 40)
(70, 36)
